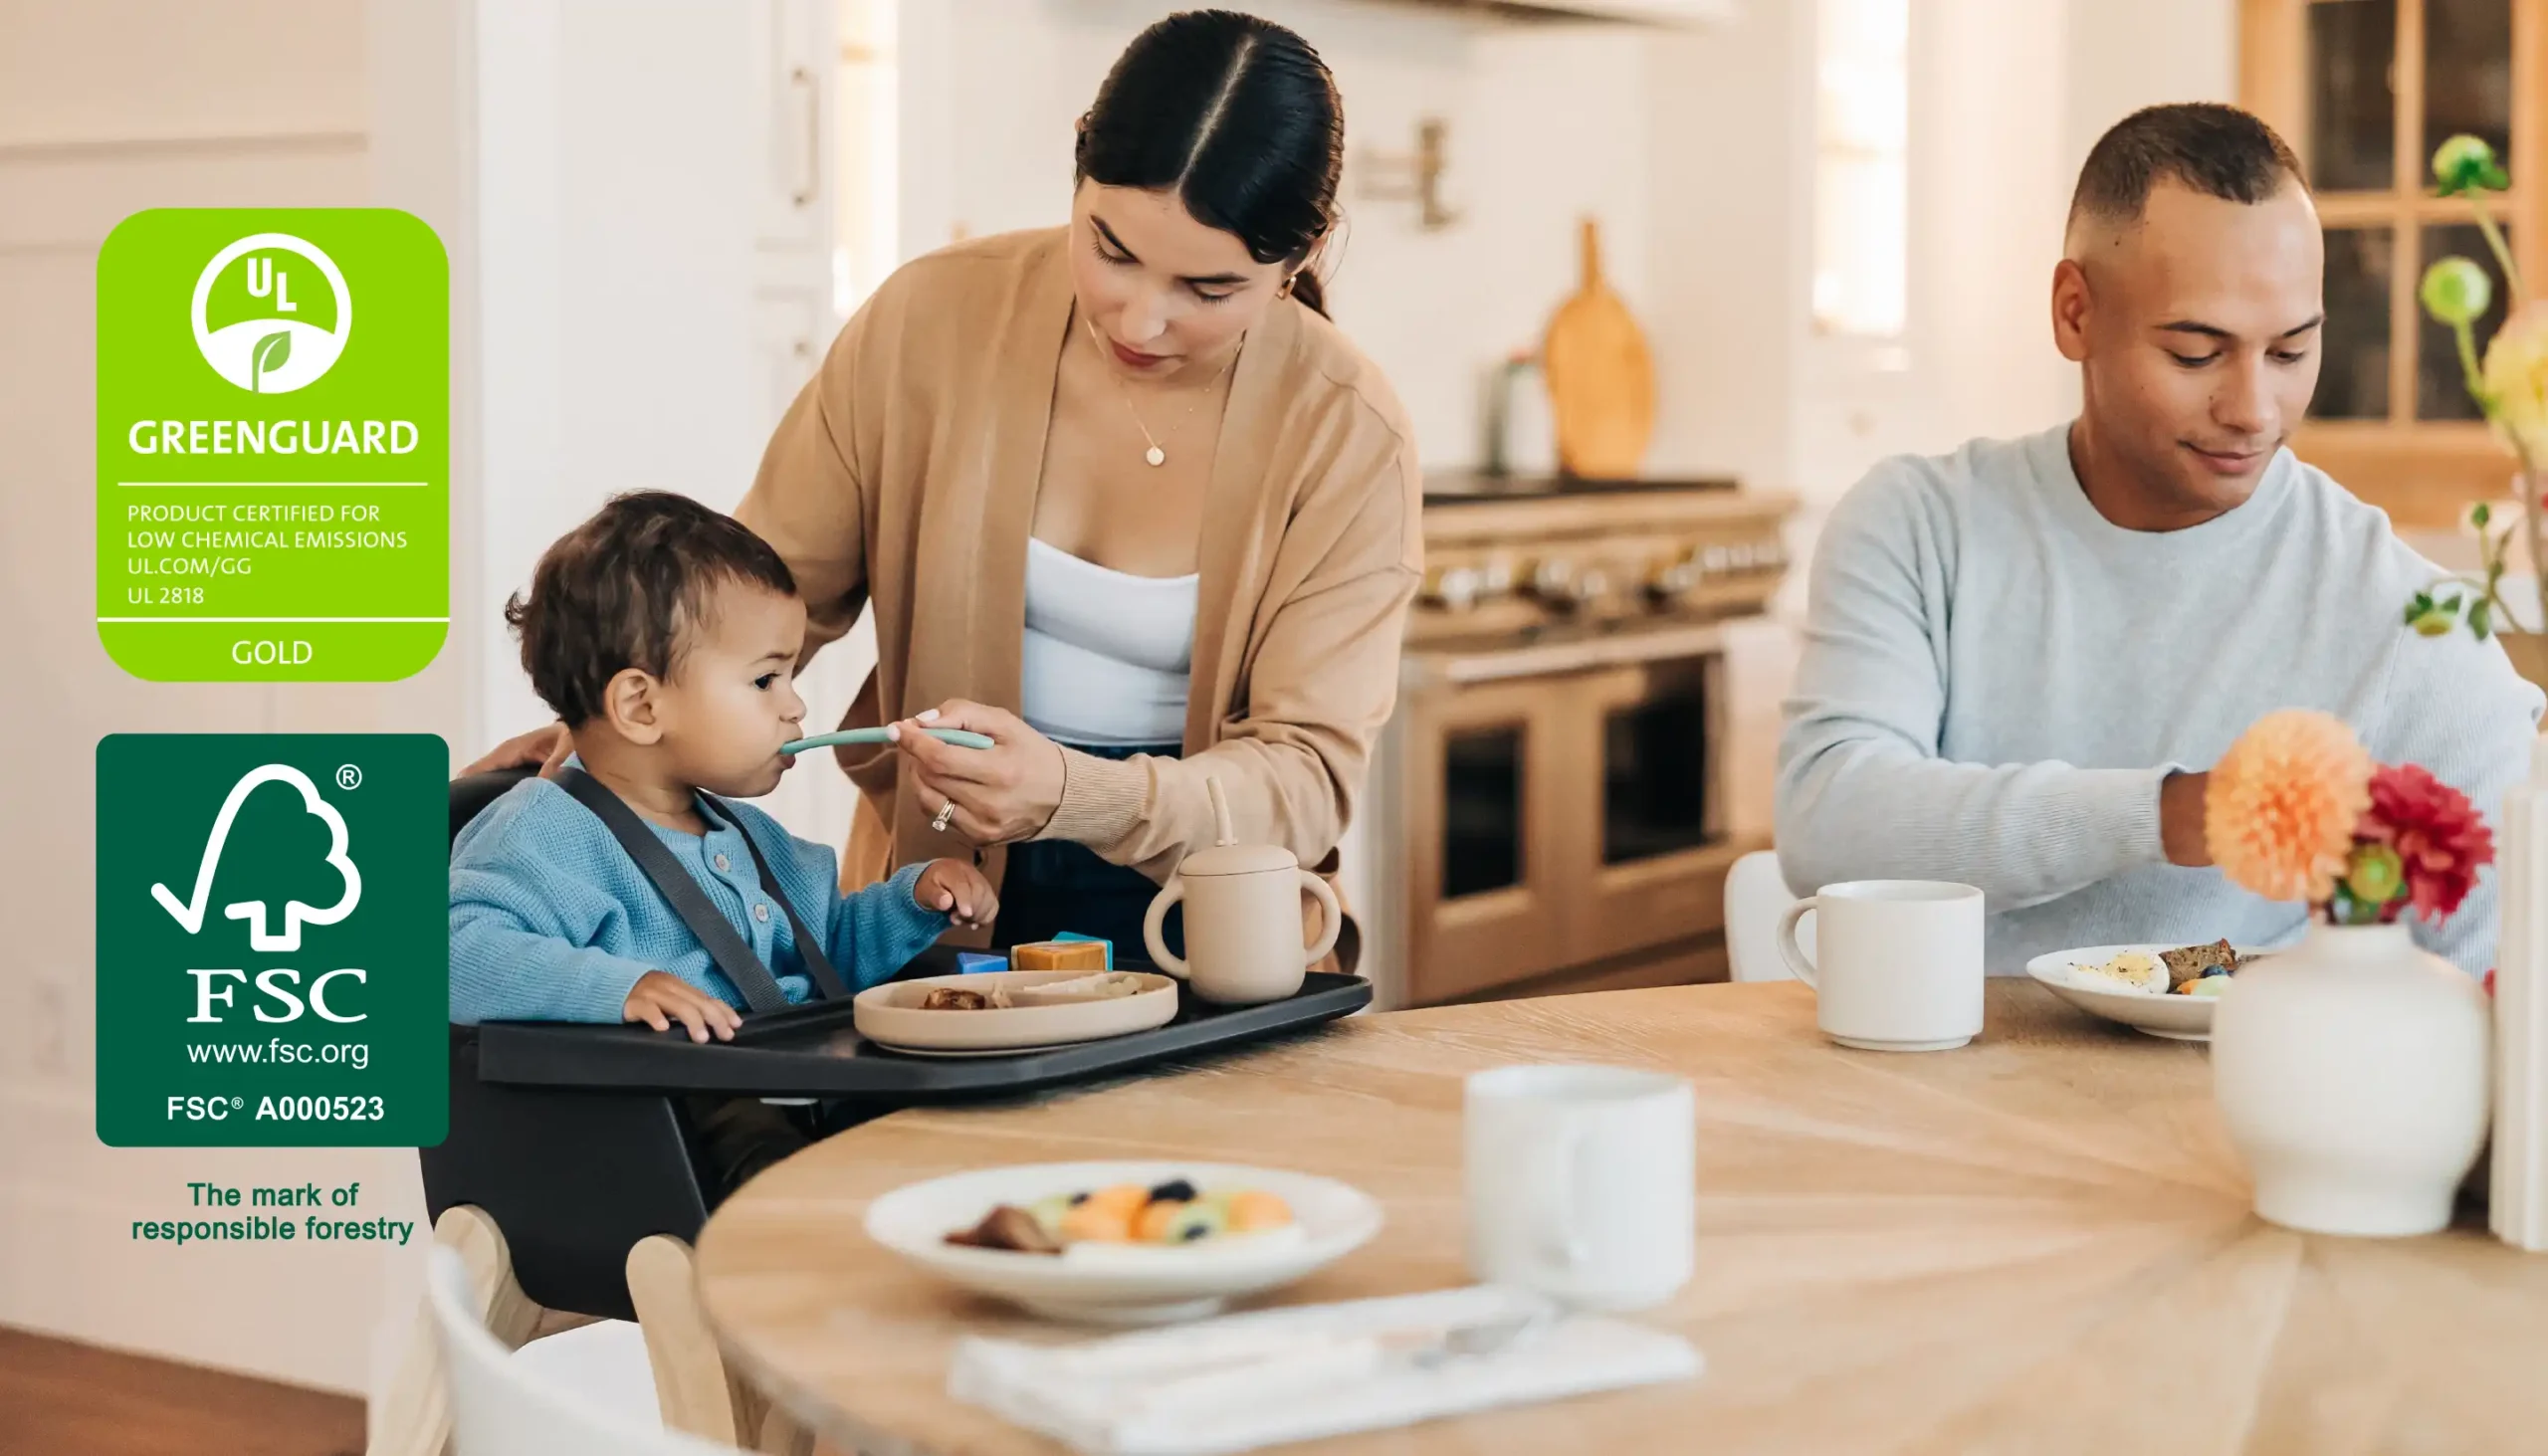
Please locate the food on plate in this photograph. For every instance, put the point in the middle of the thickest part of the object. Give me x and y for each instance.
(2188, 971)
(2132, 970)
(1107, 1215)
(1008, 1227)
(1105, 985)
(1061, 955)
(2194, 963)
(965, 998)
(1171, 1214)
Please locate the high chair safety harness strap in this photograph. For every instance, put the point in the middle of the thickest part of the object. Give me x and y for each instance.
(725, 947)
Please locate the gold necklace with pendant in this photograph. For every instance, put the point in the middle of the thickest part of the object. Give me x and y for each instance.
(1155, 455)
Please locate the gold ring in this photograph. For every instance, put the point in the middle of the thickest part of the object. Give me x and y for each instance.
(946, 816)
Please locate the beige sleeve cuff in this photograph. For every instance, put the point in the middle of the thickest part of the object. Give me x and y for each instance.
(1101, 801)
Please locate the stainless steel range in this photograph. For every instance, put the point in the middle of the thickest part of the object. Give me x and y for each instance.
(1548, 804)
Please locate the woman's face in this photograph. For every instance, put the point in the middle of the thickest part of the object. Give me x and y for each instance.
(1166, 294)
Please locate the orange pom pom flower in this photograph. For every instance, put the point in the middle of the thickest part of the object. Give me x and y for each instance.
(2280, 812)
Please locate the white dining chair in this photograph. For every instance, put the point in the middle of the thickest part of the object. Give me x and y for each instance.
(502, 1406)
(1755, 895)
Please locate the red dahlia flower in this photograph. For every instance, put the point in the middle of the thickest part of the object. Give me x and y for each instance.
(2435, 831)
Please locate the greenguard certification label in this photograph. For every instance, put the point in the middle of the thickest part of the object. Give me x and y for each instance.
(274, 444)
(273, 964)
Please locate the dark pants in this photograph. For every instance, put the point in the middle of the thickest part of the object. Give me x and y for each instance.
(739, 1136)
(1055, 885)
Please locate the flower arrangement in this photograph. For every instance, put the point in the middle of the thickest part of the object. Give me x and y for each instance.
(2510, 386)
(2297, 811)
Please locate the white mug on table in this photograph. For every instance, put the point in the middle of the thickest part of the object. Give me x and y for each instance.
(1898, 964)
(1582, 1183)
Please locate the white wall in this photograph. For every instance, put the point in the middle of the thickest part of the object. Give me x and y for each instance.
(614, 221)
(108, 108)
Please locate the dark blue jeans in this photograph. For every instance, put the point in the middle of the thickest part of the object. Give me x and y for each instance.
(1057, 884)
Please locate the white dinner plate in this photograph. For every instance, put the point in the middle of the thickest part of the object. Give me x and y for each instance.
(2177, 1018)
(1122, 1284)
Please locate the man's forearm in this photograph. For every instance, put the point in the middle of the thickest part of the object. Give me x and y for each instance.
(2025, 833)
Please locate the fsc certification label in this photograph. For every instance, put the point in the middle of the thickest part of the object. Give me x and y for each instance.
(274, 444)
(273, 958)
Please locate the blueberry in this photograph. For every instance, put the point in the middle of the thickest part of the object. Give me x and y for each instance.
(1174, 1190)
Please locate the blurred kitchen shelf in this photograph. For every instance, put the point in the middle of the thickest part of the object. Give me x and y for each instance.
(1457, 487)
(1673, 13)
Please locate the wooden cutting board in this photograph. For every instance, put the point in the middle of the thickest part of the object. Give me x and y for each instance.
(1600, 376)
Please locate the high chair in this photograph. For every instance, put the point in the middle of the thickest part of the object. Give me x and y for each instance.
(567, 1209)
(499, 1408)
(573, 1181)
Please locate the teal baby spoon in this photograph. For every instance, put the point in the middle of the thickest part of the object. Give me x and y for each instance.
(961, 737)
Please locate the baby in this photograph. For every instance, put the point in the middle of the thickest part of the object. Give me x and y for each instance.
(665, 635)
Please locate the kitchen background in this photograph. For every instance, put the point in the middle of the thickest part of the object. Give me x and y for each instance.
(1832, 220)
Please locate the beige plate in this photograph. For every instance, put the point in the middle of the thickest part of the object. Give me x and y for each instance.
(890, 1014)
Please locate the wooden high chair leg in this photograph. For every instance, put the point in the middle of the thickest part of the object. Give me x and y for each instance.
(414, 1417)
(693, 1385)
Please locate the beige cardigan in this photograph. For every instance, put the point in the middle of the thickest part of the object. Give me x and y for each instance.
(903, 478)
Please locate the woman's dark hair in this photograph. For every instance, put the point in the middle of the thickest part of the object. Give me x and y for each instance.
(1240, 119)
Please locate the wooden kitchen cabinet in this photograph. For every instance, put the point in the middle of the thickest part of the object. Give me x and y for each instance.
(2365, 90)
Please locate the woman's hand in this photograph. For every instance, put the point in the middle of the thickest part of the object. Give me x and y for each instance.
(545, 747)
(1002, 794)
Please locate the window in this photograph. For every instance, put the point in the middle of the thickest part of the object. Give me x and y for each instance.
(2366, 90)
(1861, 173)
(865, 246)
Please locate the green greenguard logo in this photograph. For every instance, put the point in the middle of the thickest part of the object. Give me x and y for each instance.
(256, 328)
(274, 483)
(273, 958)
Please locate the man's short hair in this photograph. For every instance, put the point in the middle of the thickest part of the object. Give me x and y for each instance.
(627, 590)
(2220, 151)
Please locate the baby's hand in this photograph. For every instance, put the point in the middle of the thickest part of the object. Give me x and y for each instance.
(661, 999)
(957, 888)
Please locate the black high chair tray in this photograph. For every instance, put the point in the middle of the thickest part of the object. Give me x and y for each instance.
(815, 1050)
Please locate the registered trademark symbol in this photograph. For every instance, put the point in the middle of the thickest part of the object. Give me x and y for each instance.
(349, 776)
(238, 1102)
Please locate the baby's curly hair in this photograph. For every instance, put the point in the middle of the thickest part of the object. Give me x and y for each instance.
(625, 589)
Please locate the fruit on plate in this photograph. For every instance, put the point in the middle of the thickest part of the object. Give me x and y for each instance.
(1171, 1214)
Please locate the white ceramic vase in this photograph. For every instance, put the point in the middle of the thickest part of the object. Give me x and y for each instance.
(2352, 1072)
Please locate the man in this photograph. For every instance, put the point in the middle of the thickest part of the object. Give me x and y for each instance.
(2021, 658)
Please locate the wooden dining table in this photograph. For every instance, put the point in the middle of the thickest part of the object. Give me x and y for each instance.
(2039, 1243)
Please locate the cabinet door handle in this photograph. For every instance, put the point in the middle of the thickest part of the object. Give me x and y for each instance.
(808, 183)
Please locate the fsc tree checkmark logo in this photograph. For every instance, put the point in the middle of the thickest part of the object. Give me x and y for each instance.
(189, 913)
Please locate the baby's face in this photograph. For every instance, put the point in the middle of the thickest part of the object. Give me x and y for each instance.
(732, 700)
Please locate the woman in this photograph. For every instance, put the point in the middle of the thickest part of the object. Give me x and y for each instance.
(1122, 499)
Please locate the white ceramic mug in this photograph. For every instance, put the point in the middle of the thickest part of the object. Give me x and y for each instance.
(1582, 1183)
(1898, 964)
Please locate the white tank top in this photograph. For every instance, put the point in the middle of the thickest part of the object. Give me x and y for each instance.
(1108, 655)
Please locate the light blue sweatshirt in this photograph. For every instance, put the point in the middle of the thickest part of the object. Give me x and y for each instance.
(552, 921)
(1995, 679)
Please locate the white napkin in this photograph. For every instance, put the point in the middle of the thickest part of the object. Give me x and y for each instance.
(1247, 1381)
